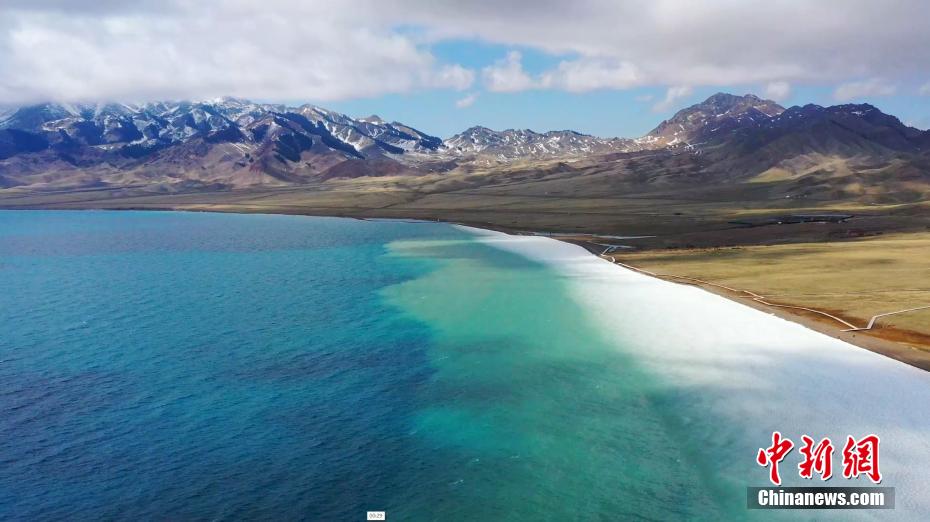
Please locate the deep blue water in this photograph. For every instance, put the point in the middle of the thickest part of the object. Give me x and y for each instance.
(185, 366)
(178, 366)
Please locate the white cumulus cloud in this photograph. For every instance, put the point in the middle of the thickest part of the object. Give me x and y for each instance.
(507, 75)
(325, 50)
(718, 43)
(857, 90)
(778, 91)
(591, 74)
(277, 49)
(467, 101)
(672, 96)
(452, 76)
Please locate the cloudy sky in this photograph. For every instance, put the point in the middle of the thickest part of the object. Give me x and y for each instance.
(607, 67)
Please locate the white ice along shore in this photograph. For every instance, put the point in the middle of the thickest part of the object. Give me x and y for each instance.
(743, 373)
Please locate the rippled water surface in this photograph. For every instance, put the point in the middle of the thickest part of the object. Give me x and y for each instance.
(208, 366)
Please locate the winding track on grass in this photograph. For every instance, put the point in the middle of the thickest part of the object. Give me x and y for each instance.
(762, 299)
(874, 317)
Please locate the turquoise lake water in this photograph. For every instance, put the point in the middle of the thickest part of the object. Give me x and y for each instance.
(209, 366)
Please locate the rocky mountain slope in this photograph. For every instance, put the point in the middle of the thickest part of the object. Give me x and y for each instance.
(754, 123)
(231, 143)
(717, 115)
(522, 143)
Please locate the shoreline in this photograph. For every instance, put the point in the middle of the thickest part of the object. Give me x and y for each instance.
(812, 321)
(739, 374)
(891, 349)
(898, 351)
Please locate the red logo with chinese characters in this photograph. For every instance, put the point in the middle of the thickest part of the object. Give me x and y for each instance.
(860, 457)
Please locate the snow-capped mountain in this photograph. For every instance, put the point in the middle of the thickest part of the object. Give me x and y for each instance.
(523, 143)
(720, 113)
(224, 142)
(137, 130)
(230, 143)
(748, 125)
(855, 126)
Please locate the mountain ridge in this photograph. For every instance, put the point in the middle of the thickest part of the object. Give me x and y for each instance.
(233, 143)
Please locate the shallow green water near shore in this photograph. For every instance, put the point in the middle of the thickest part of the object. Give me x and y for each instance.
(539, 416)
(190, 366)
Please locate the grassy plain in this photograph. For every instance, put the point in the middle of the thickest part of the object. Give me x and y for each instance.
(853, 280)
